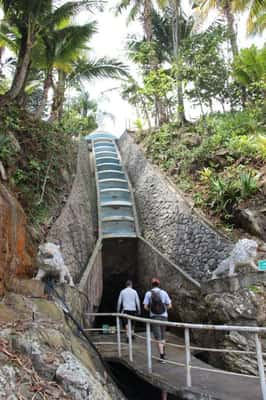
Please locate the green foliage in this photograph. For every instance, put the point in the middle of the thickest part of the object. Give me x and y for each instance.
(203, 66)
(74, 124)
(226, 192)
(6, 148)
(241, 133)
(35, 171)
(209, 167)
(249, 70)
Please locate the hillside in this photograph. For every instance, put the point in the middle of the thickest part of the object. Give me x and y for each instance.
(219, 162)
(37, 163)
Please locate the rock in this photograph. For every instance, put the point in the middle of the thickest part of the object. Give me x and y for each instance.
(78, 380)
(191, 140)
(47, 352)
(8, 376)
(252, 220)
(2, 172)
(17, 258)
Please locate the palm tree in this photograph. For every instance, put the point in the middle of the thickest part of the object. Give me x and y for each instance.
(82, 70)
(257, 14)
(142, 8)
(30, 18)
(181, 29)
(59, 48)
(227, 9)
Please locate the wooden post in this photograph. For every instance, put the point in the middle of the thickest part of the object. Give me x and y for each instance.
(148, 345)
(118, 336)
(130, 350)
(187, 345)
(260, 366)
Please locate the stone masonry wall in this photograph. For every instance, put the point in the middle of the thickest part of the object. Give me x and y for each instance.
(75, 227)
(167, 220)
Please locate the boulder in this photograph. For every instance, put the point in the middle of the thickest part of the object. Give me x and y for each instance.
(252, 220)
(17, 258)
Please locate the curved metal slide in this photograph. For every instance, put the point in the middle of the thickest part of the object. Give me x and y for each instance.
(116, 209)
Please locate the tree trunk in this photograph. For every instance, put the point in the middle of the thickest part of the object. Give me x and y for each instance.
(147, 22)
(58, 98)
(231, 27)
(176, 12)
(181, 106)
(146, 112)
(23, 63)
(1, 56)
(46, 86)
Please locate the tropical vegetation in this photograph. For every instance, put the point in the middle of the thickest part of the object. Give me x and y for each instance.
(194, 65)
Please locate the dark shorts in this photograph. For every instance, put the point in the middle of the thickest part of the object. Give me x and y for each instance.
(125, 320)
(159, 330)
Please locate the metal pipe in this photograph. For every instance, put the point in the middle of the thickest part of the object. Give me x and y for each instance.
(118, 337)
(187, 346)
(260, 366)
(148, 345)
(130, 349)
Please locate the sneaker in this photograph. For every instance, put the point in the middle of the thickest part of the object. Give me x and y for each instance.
(162, 359)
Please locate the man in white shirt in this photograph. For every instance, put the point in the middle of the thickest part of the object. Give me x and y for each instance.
(129, 302)
(157, 302)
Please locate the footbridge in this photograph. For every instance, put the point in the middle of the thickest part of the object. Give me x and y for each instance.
(116, 258)
(182, 374)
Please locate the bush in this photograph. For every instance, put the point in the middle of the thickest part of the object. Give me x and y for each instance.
(35, 166)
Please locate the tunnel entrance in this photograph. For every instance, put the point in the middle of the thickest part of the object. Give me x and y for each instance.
(119, 260)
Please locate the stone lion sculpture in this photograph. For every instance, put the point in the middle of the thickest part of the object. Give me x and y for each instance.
(51, 263)
(244, 253)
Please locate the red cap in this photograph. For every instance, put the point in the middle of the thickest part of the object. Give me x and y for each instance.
(155, 280)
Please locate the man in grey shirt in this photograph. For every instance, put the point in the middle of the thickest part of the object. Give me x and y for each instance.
(129, 302)
(157, 302)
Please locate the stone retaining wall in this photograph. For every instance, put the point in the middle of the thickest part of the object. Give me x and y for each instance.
(167, 220)
(75, 228)
(184, 292)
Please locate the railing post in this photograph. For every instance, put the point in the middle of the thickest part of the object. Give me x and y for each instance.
(118, 333)
(130, 350)
(148, 344)
(188, 370)
(260, 366)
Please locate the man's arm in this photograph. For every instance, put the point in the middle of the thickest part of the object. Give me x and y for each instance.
(168, 301)
(138, 303)
(119, 303)
(146, 302)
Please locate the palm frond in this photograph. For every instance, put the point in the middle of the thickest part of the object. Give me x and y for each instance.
(123, 5)
(71, 40)
(98, 68)
(70, 9)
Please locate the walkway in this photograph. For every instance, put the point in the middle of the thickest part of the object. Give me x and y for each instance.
(172, 377)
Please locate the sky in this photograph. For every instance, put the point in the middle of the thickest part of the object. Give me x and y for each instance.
(111, 41)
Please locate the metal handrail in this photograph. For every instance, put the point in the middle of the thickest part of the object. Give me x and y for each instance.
(256, 330)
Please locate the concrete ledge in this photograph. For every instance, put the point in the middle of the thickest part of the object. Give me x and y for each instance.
(233, 283)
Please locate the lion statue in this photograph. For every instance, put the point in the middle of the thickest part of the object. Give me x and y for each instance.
(51, 263)
(244, 253)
